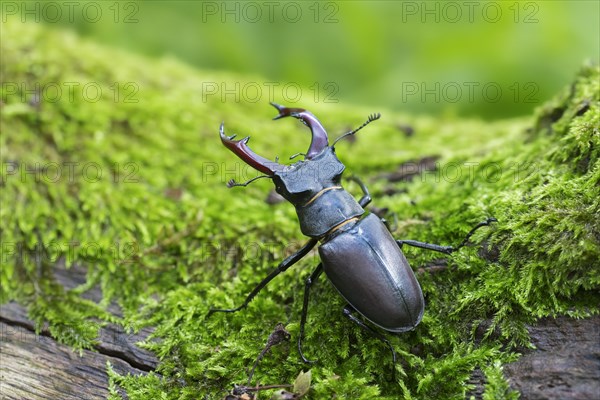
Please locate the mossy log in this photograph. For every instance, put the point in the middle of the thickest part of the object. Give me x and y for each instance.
(35, 366)
(119, 235)
(565, 364)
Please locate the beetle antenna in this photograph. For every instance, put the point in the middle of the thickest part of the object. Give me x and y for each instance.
(296, 155)
(371, 118)
(233, 183)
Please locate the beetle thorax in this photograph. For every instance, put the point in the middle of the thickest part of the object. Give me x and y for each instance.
(313, 187)
(303, 180)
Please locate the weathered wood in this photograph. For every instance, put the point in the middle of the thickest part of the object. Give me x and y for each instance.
(35, 366)
(565, 364)
(113, 340)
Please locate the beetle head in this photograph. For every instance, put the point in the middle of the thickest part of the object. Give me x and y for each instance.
(240, 147)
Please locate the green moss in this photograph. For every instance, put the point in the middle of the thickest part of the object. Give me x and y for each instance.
(163, 237)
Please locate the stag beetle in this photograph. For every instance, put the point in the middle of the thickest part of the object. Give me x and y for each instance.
(358, 253)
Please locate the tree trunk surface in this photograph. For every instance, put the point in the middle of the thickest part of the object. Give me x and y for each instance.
(564, 365)
(35, 366)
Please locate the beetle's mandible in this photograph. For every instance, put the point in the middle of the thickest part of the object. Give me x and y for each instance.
(358, 253)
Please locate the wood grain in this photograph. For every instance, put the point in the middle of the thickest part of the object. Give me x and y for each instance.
(36, 367)
(565, 364)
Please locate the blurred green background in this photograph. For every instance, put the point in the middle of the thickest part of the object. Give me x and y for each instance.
(469, 58)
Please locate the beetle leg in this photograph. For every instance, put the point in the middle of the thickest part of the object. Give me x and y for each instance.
(427, 246)
(366, 198)
(391, 228)
(349, 313)
(285, 264)
(446, 249)
(309, 281)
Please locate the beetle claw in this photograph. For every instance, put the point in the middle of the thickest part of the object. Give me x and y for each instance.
(319, 135)
(307, 361)
(241, 149)
(282, 110)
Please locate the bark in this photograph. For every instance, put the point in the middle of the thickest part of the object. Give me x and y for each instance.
(35, 366)
(565, 364)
